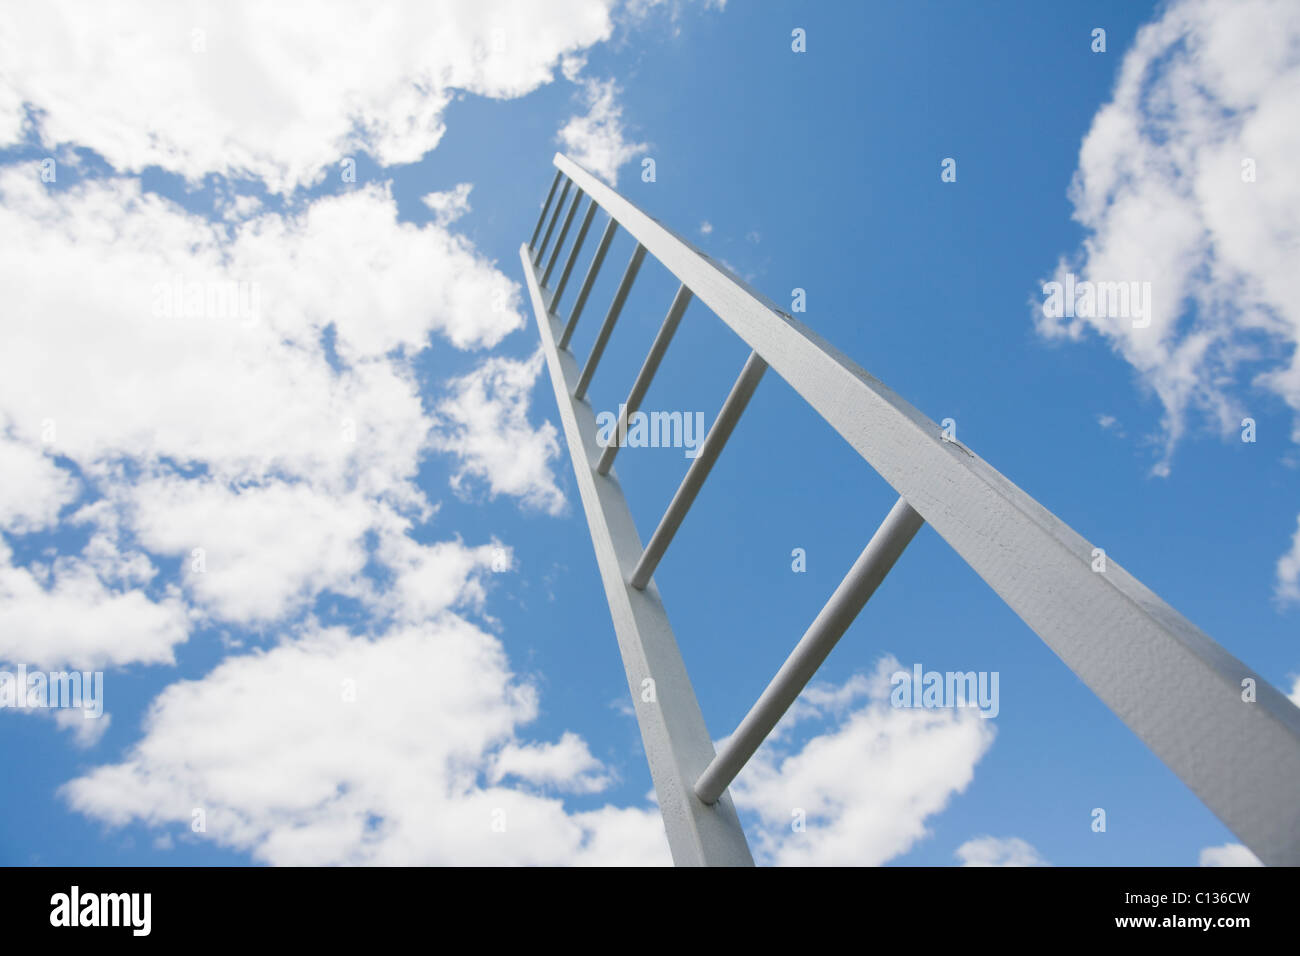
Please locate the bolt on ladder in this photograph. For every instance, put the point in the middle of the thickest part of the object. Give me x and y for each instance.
(1178, 690)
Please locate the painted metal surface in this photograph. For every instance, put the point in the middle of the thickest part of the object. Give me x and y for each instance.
(677, 742)
(564, 231)
(716, 439)
(611, 318)
(876, 560)
(546, 207)
(559, 204)
(584, 291)
(1179, 691)
(643, 379)
(554, 302)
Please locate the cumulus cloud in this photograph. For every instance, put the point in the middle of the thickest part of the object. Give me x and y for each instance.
(597, 139)
(565, 765)
(148, 366)
(259, 90)
(335, 749)
(63, 614)
(86, 731)
(428, 579)
(408, 748)
(1230, 854)
(864, 786)
(226, 425)
(487, 427)
(34, 489)
(13, 118)
(1185, 181)
(998, 851)
(253, 555)
(449, 206)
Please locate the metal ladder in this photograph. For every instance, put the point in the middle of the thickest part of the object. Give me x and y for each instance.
(1178, 690)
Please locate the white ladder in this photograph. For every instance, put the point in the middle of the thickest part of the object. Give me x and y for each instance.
(1178, 690)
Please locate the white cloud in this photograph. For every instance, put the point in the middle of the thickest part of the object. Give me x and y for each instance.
(597, 139)
(86, 731)
(640, 9)
(12, 116)
(486, 425)
(867, 785)
(450, 205)
(64, 614)
(89, 267)
(1111, 424)
(572, 66)
(259, 90)
(998, 851)
(566, 765)
(408, 772)
(429, 579)
(109, 552)
(1230, 854)
(1160, 192)
(627, 836)
(289, 458)
(1288, 571)
(425, 765)
(384, 285)
(34, 487)
(706, 227)
(240, 207)
(244, 439)
(265, 550)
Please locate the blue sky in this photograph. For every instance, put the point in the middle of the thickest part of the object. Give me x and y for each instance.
(818, 170)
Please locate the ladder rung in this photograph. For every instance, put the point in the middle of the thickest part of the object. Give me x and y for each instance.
(587, 283)
(564, 232)
(647, 373)
(714, 441)
(877, 558)
(545, 208)
(615, 307)
(573, 256)
(559, 204)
